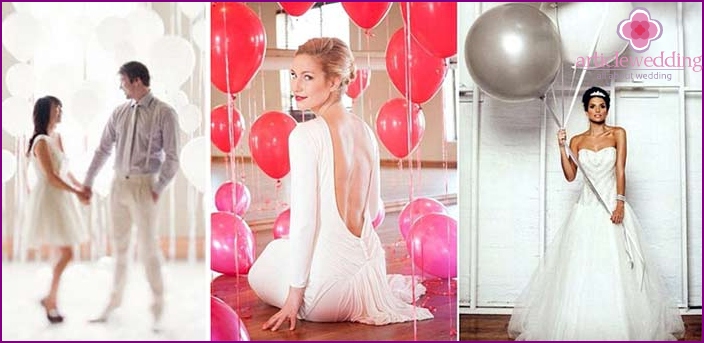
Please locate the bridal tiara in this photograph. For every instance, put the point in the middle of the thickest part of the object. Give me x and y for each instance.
(598, 93)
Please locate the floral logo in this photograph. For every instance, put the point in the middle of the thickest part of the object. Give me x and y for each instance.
(640, 29)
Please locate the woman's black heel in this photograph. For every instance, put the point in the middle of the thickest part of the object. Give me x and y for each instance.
(52, 315)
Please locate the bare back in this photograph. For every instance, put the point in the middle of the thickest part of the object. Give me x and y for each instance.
(353, 159)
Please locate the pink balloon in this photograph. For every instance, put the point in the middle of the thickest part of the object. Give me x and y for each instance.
(360, 83)
(231, 244)
(282, 224)
(225, 324)
(392, 126)
(433, 245)
(223, 198)
(416, 209)
(379, 216)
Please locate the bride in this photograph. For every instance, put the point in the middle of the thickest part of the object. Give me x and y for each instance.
(594, 284)
(52, 216)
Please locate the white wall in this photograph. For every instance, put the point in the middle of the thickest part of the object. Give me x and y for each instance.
(522, 198)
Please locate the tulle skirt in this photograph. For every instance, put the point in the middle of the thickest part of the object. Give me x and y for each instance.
(588, 289)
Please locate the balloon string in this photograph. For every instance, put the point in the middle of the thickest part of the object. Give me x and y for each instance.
(231, 136)
(562, 71)
(409, 118)
(369, 75)
(447, 226)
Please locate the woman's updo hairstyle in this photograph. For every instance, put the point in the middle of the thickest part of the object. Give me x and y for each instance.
(334, 56)
(596, 92)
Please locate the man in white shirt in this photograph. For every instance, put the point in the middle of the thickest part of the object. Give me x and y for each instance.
(144, 132)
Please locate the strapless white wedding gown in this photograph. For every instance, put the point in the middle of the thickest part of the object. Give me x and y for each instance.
(587, 288)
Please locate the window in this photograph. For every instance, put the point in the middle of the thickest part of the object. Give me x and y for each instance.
(329, 20)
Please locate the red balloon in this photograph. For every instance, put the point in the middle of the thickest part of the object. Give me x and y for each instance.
(433, 244)
(367, 15)
(268, 142)
(296, 9)
(360, 83)
(225, 324)
(392, 126)
(434, 26)
(282, 224)
(231, 244)
(238, 41)
(426, 70)
(219, 132)
(416, 209)
(224, 199)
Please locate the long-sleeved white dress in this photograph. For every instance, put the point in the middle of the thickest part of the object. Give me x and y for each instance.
(344, 275)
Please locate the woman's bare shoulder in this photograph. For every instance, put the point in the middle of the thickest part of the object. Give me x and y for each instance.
(617, 130)
(576, 140)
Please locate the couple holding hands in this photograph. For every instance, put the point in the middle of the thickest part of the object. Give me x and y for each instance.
(144, 132)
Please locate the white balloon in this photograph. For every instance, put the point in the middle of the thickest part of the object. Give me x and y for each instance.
(45, 10)
(9, 165)
(178, 99)
(86, 103)
(192, 9)
(174, 97)
(24, 7)
(100, 64)
(577, 23)
(49, 10)
(113, 30)
(195, 163)
(17, 116)
(20, 80)
(171, 61)
(100, 10)
(189, 118)
(147, 27)
(82, 29)
(124, 52)
(200, 31)
(59, 80)
(160, 91)
(21, 35)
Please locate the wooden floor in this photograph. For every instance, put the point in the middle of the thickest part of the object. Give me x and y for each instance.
(475, 327)
(267, 201)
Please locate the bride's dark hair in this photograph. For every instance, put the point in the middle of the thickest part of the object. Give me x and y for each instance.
(41, 116)
(598, 93)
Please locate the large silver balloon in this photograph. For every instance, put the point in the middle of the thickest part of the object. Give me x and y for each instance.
(513, 52)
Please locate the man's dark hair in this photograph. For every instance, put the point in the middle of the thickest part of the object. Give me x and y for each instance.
(135, 70)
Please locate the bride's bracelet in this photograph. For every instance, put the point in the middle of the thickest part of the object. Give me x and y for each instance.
(621, 197)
